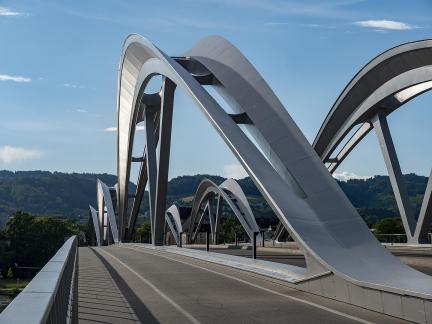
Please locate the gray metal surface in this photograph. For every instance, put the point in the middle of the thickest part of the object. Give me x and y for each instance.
(382, 86)
(172, 218)
(95, 224)
(106, 212)
(51, 296)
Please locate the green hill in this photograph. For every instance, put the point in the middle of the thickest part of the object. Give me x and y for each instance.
(69, 194)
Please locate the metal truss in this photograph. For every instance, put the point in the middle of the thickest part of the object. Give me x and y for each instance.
(385, 84)
(279, 159)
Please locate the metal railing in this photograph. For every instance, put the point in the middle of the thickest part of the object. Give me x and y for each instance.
(52, 295)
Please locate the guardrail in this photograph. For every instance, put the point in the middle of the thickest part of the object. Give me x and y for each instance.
(397, 238)
(52, 295)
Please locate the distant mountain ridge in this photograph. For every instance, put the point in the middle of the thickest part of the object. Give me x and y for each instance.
(69, 194)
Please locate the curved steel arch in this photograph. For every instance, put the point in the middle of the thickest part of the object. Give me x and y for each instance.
(285, 168)
(172, 218)
(95, 222)
(105, 207)
(228, 191)
(385, 84)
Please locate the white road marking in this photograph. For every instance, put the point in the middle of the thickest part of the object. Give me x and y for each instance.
(188, 315)
(330, 310)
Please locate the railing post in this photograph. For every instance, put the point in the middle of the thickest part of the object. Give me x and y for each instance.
(207, 241)
(262, 238)
(254, 247)
(180, 239)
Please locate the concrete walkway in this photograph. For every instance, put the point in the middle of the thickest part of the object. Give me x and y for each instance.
(99, 298)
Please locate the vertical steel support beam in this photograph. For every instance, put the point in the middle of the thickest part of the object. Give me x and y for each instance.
(166, 113)
(218, 217)
(254, 244)
(425, 217)
(207, 241)
(151, 161)
(395, 174)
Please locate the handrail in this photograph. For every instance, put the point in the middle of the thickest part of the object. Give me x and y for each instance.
(51, 296)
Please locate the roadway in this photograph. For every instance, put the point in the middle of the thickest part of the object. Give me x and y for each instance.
(134, 284)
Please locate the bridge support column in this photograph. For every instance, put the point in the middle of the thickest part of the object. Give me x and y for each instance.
(158, 172)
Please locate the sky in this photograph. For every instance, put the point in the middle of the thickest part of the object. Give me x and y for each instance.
(59, 63)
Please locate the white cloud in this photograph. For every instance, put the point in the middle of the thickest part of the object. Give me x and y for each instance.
(80, 110)
(14, 78)
(7, 12)
(114, 129)
(10, 154)
(345, 176)
(385, 24)
(235, 171)
(74, 86)
(110, 129)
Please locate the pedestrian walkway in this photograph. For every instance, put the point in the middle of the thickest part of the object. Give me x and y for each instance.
(99, 297)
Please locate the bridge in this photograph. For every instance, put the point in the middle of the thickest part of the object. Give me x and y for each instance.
(339, 272)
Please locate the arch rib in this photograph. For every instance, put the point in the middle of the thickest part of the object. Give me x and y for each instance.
(291, 177)
(106, 213)
(95, 223)
(382, 86)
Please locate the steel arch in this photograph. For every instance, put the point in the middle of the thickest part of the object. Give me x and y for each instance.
(106, 213)
(385, 84)
(228, 191)
(289, 174)
(95, 222)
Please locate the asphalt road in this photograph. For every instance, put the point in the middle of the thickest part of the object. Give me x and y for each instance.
(128, 285)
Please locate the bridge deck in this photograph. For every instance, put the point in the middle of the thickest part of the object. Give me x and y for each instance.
(131, 284)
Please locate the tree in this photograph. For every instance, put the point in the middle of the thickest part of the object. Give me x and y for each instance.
(34, 240)
(389, 226)
(143, 232)
(229, 229)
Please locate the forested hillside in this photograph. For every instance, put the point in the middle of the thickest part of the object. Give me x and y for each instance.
(46, 193)
(69, 194)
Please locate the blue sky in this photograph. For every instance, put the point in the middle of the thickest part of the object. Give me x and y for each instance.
(59, 59)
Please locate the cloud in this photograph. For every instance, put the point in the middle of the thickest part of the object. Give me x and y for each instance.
(110, 129)
(331, 8)
(345, 176)
(80, 110)
(235, 171)
(10, 154)
(385, 24)
(74, 86)
(14, 78)
(7, 12)
(114, 129)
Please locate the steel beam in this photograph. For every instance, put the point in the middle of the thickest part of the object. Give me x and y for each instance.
(166, 113)
(425, 217)
(395, 174)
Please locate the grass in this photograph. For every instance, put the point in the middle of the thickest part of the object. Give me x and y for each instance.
(13, 283)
